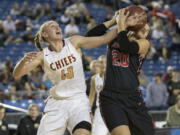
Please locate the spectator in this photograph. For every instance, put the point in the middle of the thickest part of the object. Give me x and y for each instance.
(173, 117)
(20, 24)
(16, 11)
(169, 14)
(94, 68)
(38, 12)
(152, 52)
(2, 94)
(156, 9)
(155, 22)
(6, 37)
(175, 42)
(28, 36)
(157, 94)
(26, 10)
(1, 34)
(59, 6)
(4, 130)
(35, 76)
(29, 91)
(29, 24)
(143, 80)
(9, 66)
(71, 28)
(91, 24)
(174, 87)
(65, 18)
(77, 9)
(42, 91)
(158, 33)
(169, 29)
(9, 24)
(5, 76)
(19, 83)
(48, 12)
(103, 60)
(163, 52)
(87, 18)
(29, 124)
(168, 75)
(12, 94)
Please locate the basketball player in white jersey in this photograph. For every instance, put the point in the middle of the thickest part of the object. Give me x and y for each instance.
(98, 126)
(68, 105)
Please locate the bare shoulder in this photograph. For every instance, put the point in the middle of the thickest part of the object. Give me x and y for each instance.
(143, 42)
(75, 40)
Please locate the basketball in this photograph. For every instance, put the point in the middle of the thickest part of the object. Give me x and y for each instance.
(133, 9)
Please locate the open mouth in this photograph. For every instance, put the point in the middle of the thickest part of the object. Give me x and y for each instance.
(58, 33)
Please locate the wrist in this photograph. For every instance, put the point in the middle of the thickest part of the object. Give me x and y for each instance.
(112, 22)
(121, 27)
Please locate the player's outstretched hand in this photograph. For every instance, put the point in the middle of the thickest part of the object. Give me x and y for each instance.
(121, 19)
(113, 20)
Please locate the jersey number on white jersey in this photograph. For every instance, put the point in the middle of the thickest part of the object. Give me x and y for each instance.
(67, 75)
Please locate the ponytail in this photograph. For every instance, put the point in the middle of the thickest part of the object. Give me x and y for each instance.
(37, 42)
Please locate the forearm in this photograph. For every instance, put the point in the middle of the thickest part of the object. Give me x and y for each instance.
(18, 70)
(98, 30)
(126, 45)
(93, 42)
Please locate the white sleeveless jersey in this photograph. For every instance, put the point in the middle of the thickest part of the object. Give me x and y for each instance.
(98, 86)
(65, 70)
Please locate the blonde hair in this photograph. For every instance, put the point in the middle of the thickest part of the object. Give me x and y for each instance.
(94, 62)
(38, 37)
(101, 57)
(32, 106)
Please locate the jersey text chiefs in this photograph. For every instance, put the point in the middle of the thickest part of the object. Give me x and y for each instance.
(62, 62)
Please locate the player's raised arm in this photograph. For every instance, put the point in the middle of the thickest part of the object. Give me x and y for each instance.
(93, 42)
(128, 45)
(27, 63)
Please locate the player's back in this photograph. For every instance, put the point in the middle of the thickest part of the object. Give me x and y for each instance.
(65, 70)
(122, 69)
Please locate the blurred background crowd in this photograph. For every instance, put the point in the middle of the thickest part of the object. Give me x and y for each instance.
(20, 20)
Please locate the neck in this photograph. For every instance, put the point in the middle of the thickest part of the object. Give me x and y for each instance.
(33, 118)
(56, 45)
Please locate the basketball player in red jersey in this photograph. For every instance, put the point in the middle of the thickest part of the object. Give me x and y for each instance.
(68, 105)
(121, 103)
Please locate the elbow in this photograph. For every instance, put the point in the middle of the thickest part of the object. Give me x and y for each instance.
(16, 75)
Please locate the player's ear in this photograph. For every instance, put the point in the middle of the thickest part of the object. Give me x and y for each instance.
(44, 35)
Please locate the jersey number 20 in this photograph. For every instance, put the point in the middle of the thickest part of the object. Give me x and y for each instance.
(68, 75)
(120, 59)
